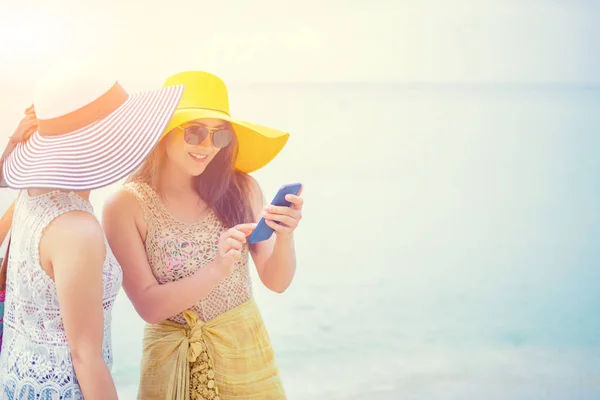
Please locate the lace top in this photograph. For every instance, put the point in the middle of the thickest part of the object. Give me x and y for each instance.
(176, 250)
(35, 361)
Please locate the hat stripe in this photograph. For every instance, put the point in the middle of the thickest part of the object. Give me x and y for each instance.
(67, 173)
(95, 157)
(99, 154)
(78, 143)
(99, 164)
(73, 152)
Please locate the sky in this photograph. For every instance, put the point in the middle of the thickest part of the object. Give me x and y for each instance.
(310, 41)
(407, 41)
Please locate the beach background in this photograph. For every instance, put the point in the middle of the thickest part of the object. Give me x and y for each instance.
(449, 245)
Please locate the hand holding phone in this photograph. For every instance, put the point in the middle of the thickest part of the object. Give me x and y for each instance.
(264, 231)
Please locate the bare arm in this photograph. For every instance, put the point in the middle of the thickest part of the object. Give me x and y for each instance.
(275, 258)
(74, 245)
(6, 222)
(125, 230)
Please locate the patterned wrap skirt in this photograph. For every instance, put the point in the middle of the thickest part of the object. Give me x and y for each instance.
(228, 357)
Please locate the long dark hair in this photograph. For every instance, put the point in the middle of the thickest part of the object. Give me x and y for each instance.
(225, 190)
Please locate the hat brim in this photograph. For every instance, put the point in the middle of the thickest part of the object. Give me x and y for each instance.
(99, 154)
(257, 145)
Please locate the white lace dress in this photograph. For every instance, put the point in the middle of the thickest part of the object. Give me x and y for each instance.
(35, 360)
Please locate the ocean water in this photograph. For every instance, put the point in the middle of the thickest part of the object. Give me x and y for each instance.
(449, 248)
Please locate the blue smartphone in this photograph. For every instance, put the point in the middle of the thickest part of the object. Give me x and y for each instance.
(263, 231)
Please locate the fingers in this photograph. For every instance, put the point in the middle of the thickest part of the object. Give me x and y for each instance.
(234, 254)
(28, 119)
(297, 201)
(26, 127)
(234, 239)
(235, 244)
(227, 261)
(246, 229)
(236, 235)
(294, 213)
(231, 249)
(284, 219)
(239, 232)
(278, 228)
(23, 128)
(276, 209)
(286, 215)
(229, 243)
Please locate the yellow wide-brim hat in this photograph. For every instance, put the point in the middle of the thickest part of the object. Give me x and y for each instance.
(205, 96)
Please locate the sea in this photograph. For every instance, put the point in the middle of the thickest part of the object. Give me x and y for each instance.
(449, 248)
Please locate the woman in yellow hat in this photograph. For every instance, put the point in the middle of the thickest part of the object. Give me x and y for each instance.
(178, 228)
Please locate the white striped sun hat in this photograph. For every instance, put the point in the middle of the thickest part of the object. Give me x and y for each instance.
(91, 132)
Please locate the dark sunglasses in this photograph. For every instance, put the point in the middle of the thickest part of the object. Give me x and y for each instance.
(196, 134)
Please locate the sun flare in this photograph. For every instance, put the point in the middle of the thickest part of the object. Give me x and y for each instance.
(28, 37)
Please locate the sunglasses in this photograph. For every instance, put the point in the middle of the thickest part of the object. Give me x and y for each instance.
(196, 134)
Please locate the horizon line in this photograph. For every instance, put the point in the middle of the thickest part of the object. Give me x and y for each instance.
(398, 83)
(422, 83)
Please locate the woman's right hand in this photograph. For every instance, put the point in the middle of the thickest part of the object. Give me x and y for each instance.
(231, 244)
(26, 127)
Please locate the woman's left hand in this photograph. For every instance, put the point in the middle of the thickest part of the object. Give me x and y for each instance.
(288, 217)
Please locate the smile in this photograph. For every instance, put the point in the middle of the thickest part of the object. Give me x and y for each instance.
(198, 157)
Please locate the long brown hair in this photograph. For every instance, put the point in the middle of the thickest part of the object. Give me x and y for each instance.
(225, 190)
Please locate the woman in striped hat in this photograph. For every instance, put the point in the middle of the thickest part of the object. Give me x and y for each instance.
(179, 229)
(86, 132)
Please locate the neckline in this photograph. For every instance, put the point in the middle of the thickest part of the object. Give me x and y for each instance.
(163, 208)
(56, 192)
(47, 194)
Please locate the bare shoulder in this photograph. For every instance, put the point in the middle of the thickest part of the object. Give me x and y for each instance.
(74, 232)
(123, 216)
(256, 195)
(122, 202)
(77, 224)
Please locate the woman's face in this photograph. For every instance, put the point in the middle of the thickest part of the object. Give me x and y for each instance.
(193, 158)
